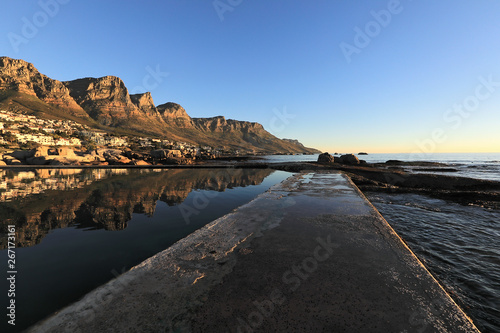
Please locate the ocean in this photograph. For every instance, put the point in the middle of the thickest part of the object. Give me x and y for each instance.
(472, 165)
(460, 245)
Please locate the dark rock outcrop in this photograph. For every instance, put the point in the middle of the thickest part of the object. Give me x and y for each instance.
(326, 158)
(348, 159)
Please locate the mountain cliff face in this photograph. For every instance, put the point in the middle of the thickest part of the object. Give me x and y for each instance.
(144, 102)
(220, 124)
(294, 141)
(106, 101)
(22, 77)
(173, 113)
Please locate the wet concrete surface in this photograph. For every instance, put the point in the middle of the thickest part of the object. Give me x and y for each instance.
(309, 255)
(363, 280)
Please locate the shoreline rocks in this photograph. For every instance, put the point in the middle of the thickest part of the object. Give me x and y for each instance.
(44, 155)
(349, 159)
(326, 158)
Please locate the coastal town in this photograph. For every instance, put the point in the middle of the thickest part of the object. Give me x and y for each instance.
(27, 139)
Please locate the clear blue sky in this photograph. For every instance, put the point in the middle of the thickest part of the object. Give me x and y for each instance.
(254, 59)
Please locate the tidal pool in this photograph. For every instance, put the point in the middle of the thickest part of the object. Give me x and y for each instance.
(79, 228)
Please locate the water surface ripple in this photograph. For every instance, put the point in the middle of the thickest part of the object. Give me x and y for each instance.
(460, 245)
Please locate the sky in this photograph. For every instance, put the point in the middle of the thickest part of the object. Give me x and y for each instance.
(409, 76)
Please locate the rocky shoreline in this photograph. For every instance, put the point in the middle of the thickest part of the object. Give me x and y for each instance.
(390, 176)
(44, 155)
(380, 177)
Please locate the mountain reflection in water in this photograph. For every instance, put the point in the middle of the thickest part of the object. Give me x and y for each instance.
(41, 200)
(78, 229)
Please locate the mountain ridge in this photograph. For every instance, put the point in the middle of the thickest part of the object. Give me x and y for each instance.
(105, 102)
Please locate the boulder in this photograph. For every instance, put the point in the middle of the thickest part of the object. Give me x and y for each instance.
(325, 158)
(66, 152)
(140, 162)
(56, 161)
(91, 158)
(106, 152)
(61, 160)
(124, 160)
(348, 159)
(133, 155)
(40, 151)
(177, 161)
(2, 163)
(128, 152)
(117, 160)
(38, 160)
(161, 154)
(22, 154)
(12, 161)
(52, 151)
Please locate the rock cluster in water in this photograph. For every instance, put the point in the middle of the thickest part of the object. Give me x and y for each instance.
(344, 159)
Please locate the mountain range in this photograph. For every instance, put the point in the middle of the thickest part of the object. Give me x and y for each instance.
(105, 103)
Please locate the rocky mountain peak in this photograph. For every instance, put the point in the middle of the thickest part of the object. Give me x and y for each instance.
(19, 75)
(145, 103)
(174, 113)
(109, 88)
(22, 77)
(294, 141)
(105, 99)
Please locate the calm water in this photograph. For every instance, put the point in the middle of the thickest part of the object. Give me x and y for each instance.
(77, 229)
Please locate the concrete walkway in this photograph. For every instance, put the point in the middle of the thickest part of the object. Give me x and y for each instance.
(310, 255)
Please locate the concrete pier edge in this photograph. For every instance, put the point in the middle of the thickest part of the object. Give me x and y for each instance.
(409, 250)
(170, 290)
